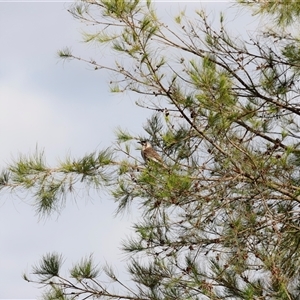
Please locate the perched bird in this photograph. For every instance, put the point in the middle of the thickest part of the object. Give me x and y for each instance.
(148, 153)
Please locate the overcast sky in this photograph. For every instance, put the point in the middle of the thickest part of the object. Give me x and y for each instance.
(64, 108)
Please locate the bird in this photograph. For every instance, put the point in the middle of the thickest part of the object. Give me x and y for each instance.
(148, 153)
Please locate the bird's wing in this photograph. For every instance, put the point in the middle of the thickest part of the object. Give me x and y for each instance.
(150, 153)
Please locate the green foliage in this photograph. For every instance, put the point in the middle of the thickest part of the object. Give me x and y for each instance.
(220, 216)
(65, 53)
(4, 179)
(50, 186)
(122, 135)
(284, 12)
(84, 270)
(49, 267)
(292, 54)
(56, 294)
(120, 7)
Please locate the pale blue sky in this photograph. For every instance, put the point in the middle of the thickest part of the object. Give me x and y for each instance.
(64, 108)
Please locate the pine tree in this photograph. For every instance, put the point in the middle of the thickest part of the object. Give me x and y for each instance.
(221, 218)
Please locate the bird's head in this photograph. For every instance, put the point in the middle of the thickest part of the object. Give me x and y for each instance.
(145, 143)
